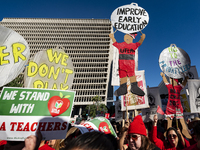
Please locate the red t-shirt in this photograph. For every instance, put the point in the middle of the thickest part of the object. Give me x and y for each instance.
(45, 147)
(125, 48)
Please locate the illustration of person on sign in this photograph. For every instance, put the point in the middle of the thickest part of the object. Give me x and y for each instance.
(174, 107)
(127, 63)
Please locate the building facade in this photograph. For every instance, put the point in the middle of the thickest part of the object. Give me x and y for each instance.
(85, 40)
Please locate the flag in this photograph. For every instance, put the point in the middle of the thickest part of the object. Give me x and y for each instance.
(160, 111)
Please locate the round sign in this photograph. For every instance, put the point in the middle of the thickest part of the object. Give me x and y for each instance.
(49, 69)
(174, 62)
(129, 18)
(14, 55)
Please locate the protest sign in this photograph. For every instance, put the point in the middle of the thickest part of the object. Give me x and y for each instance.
(134, 101)
(50, 69)
(14, 55)
(129, 18)
(194, 94)
(154, 101)
(192, 74)
(23, 111)
(174, 62)
(97, 124)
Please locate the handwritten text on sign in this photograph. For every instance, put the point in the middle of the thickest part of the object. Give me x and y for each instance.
(129, 18)
(14, 55)
(51, 69)
(174, 62)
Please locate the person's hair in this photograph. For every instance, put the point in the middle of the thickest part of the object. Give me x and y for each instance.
(196, 130)
(93, 141)
(180, 145)
(146, 143)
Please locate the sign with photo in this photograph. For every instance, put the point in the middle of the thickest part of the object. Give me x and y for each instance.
(49, 69)
(23, 111)
(14, 54)
(129, 18)
(134, 101)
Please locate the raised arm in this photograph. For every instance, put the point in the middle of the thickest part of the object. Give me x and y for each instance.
(142, 39)
(164, 78)
(123, 135)
(159, 143)
(111, 35)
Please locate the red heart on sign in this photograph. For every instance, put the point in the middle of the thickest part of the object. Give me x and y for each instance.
(58, 105)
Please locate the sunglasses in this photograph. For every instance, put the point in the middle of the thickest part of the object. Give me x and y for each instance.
(172, 135)
(133, 137)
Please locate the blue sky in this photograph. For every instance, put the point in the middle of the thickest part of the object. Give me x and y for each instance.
(170, 22)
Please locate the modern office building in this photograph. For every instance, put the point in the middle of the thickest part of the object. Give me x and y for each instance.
(85, 40)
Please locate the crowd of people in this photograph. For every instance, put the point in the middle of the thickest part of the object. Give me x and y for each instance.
(133, 135)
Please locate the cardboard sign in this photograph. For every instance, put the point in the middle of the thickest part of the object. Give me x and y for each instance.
(129, 18)
(97, 124)
(23, 111)
(174, 62)
(50, 69)
(14, 55)
(115, 73)
(134, 101)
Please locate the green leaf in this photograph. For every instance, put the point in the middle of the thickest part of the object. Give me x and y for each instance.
(61, 94)
(67, 96)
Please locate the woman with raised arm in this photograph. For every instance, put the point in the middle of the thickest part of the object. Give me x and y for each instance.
(175, 140)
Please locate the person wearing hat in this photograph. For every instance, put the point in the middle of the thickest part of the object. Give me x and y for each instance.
(127, 63)
(136, 136)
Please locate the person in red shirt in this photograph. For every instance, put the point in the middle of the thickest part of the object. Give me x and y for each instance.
(175, 140)
(127, 63)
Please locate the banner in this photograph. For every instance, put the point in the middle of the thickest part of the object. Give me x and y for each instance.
(134, 101)
(23, 111)
(174, 62)
(129, 18)
(154, 101)
(194, 93)
(97, 124)
(49, 69)
(14, 55)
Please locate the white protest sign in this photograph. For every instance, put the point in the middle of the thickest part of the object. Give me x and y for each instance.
(24, 111)
(50, 69)
(174, 62)
(134, 101)
(14, 55)
(129, 18)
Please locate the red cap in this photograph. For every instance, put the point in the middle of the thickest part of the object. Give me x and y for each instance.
(137, 126)
(133, 35)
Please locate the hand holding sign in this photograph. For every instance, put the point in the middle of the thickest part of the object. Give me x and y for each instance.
(129, 18)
